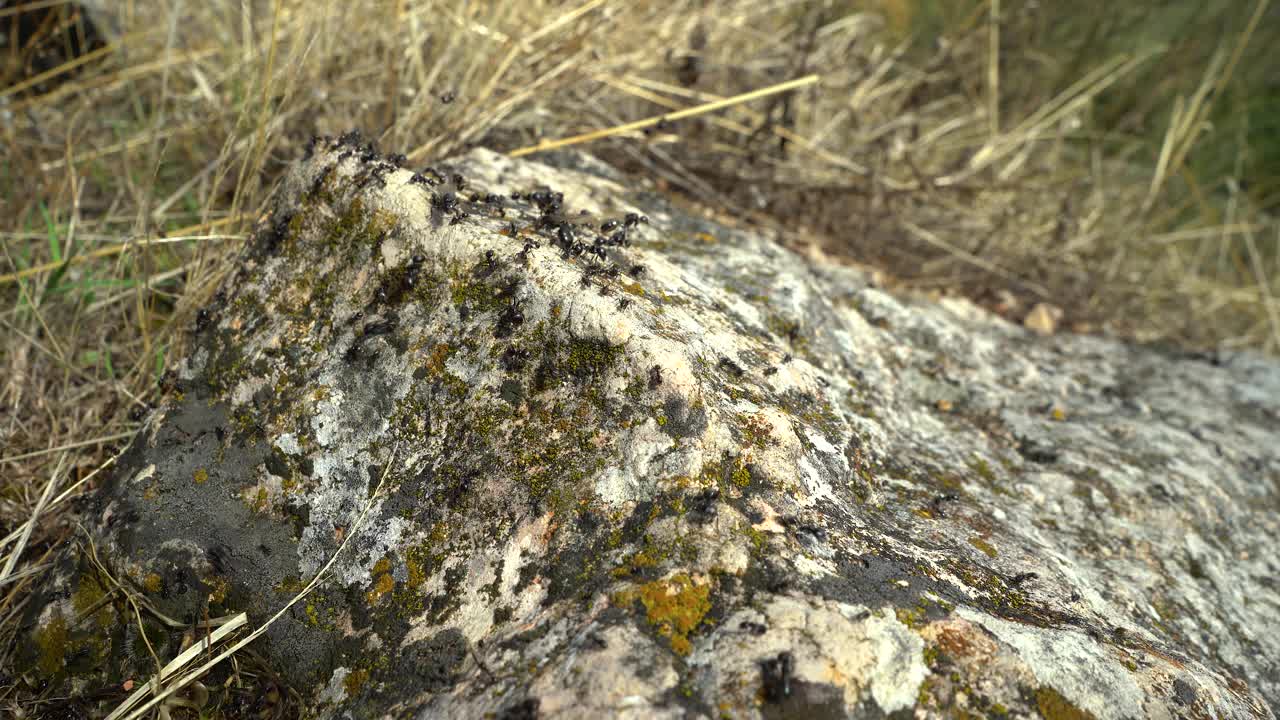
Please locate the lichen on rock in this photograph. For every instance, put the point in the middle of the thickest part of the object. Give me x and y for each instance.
(658, 467)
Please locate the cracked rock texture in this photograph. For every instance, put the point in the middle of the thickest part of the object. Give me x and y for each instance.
(679, 471)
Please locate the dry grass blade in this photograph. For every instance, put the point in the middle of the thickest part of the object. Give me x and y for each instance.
(993, 69)
(67, 446)
(1264, 286)
(667, 117)
(182, 660)
(972, 259)
(117, 249)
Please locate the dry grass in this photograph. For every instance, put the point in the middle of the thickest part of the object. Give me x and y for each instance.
(131, 173)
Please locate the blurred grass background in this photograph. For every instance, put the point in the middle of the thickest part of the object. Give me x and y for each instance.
(1053, 44)
(1119, 162)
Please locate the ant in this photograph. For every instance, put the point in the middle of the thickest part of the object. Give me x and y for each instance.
(445, 202)
(411, 273)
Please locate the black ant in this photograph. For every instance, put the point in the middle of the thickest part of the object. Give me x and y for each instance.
(445, 202)
(734, 368)
(510, 318)
(411, 273)
(564, 232)
(936, 505)
(514, 358)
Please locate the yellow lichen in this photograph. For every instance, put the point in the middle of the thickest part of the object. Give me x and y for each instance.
(52, 641)
(984, 546)
(152, 583)
(201, 476)
(383, 585)
(1055, 707)
(675, 606)
(217, 589)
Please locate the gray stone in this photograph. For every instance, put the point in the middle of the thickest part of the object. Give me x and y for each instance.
(739, 483)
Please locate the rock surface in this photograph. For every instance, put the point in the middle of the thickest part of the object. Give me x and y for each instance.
(678, 472)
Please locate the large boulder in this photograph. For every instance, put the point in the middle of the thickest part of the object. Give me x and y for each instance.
(667, 468)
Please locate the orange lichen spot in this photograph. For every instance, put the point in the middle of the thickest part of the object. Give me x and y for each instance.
(439, 354)
(354, 681)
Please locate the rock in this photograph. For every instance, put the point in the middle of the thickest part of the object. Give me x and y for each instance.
(680, 473)
(1043, 319)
